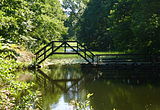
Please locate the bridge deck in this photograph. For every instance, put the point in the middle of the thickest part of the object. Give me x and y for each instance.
(74, 47)
(64, 47)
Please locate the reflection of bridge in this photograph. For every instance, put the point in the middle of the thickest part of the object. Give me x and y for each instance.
(112, 88)
(133, 77)
(60, 83)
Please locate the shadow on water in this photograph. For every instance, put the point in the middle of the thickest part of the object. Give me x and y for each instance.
(56, 82)
(59, 84)
(113, 89)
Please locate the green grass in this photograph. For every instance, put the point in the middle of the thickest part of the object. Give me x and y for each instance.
(67, 56)
(56, 56)
(98, 52)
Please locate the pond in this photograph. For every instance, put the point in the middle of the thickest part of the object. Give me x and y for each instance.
(112, 89)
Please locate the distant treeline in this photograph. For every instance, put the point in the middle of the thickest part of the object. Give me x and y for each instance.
(104, 25)
(116, 25)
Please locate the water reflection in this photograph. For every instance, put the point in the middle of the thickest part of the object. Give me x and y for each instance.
(67, 83)
(61, 82)
(113, 89)
(110, 96)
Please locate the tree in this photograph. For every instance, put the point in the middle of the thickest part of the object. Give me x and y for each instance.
(135, 26)
(122, 25)
(94, 29)
(31, 21)
(74, 10)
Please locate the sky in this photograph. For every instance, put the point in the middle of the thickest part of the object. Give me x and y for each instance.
(60, 1)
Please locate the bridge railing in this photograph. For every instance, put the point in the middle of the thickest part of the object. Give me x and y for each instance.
(135, 58)
(85, 51)
(46, 51)
(61, 47)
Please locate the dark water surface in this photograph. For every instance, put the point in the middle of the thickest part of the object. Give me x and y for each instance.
(112, 89)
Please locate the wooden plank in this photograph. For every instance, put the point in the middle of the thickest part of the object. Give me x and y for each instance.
(65, 44)
(65, 53)
(43, 48)
(50, 54)
(79, 53)
(85, 48)
(127, 54)
(44, 52)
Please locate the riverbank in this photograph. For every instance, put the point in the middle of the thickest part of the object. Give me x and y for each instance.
(69, 59)
(16, 94)
(19, 94)
(62, 61)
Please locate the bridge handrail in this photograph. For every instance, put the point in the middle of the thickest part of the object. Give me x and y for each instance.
(43, 48)
(44, 52)
(85, 52)
(85, 48)
(127, 54)
(145, 57)
(53, 45)
(50, 53)
(77, 52)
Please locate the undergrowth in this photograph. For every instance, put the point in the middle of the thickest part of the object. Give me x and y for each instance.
(15, 95)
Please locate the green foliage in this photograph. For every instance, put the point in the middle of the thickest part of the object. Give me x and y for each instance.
(31, 22)
(74, 9)
(14, 94)
(93, 29)
(121, 25)
(135, 26)
(83, 105)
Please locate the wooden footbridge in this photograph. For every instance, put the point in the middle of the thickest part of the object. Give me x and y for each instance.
(64, 47)
(74, 47)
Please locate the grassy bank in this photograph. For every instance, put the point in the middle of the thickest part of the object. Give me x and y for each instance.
(68, 49)
(64, 56)
(14, 94)
(114, 52)
(69, 58)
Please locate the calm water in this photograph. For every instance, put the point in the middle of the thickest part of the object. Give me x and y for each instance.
(113, 90)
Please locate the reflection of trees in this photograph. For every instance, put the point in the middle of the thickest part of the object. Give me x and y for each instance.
(131, 76)
(111, 93)
(60, 80)
(122, 90)
(50, 94)
(64, 82)
(65, 71)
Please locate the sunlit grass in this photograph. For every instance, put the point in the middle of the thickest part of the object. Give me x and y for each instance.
(74, 45)
(57, 56)
(62, 56)
(99, 52)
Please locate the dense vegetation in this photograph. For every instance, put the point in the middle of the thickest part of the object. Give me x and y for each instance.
(31, 22)
(121, 25)
(14, 94)
(103, 25)
(108, 25)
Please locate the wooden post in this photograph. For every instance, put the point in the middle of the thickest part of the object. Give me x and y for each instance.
(65, 47)
(37, 57)
(77, 46)
(52, 47)
(44, 52)
(92, 59)
(85, 52)
(97, 59)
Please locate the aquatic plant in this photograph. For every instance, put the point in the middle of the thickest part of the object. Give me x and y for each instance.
(83, 105)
